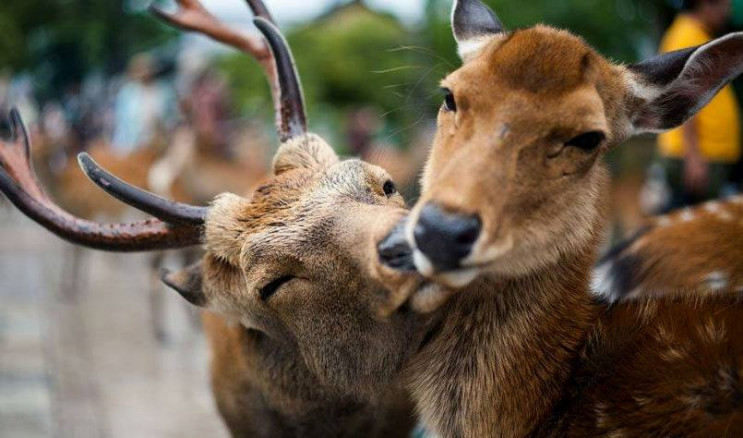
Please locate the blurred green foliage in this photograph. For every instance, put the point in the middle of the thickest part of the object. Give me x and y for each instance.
(624, 30)
(349, 58)
(60, 41)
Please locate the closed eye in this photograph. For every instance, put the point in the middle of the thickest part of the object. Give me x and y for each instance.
(271, 288)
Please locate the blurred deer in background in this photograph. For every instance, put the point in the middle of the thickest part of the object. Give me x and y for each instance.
(695, 251)
(303, 343)
(512, 211)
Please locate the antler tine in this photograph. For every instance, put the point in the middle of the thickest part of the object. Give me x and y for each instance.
(260, 10)
(163, 209)
(19, 183)
(192, 16)
(294, 121)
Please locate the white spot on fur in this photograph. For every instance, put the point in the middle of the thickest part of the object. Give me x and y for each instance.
(712, 207)
(716, 281)
(687, 215)
(664, 221)
(603, 284)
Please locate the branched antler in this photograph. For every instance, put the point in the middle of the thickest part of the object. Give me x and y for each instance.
(177, 225)
(192, 16)
(19, 183)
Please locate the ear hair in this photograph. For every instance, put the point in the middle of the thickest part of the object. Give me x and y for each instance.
(474, 25)
(188, 283)
(676, 85)
(304, 152)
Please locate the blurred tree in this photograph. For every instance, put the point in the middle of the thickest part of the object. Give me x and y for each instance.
(348, 58)
(59, 41)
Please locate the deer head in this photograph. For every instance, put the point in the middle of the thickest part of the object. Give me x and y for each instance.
(515, 177)
(294, 263)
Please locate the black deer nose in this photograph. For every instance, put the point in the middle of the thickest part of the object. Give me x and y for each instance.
(446, 238)
(394, 250)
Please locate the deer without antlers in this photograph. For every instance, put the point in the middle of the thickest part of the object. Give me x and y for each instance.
(693, 251)
(299, 345)
(512, 212)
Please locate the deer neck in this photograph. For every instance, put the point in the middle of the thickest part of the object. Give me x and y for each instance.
(264, 390)
(505, 350)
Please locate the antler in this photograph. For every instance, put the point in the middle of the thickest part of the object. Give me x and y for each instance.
(287, 95)
(181, 226)
(177, 225)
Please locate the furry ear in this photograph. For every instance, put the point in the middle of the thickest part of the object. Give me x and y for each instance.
(474, 24)
(676, 85)
(304, 152)
(188, 283)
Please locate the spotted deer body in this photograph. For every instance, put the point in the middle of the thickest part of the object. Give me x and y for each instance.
(694, 251)
(512, 212)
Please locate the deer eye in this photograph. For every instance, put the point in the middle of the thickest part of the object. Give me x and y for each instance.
(271, 288)
(389, 188)
(588, 141)
(450, 104)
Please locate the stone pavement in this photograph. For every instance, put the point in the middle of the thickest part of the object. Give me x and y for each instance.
(89, 365)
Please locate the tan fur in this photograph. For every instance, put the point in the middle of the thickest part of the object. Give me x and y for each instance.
(523, 350)
(316, 358)
(690, 251)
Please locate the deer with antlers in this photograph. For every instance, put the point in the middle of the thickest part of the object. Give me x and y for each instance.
(512, 210)
(300, 341)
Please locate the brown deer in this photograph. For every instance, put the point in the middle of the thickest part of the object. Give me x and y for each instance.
(513, 207)
(302, 343)
(692, 251)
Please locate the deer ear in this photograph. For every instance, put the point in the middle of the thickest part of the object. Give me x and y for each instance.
(474, 24)
(188, 283)
(304, 152)
(676, 85)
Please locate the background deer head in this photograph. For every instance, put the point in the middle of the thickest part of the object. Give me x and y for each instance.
(515, 176)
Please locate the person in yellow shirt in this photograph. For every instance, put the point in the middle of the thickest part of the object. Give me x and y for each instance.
(700, 155)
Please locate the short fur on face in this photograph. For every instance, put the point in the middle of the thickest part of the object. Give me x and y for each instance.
(312, 228)
(511, 153)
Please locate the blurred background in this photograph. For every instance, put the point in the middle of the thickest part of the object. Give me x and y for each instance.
(90, 343)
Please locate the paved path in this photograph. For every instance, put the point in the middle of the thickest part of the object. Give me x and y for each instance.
(90, 366)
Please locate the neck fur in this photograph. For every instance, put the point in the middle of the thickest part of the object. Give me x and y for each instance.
(504, 350)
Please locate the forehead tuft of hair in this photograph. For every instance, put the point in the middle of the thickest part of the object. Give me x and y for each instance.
(233, 218)
(542, 59)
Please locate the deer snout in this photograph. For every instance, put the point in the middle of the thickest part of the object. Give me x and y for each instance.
(395, 251)
(445, 238)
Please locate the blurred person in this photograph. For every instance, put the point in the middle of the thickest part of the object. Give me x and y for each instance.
(141, 107)
(698, 158)
(210, 111)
